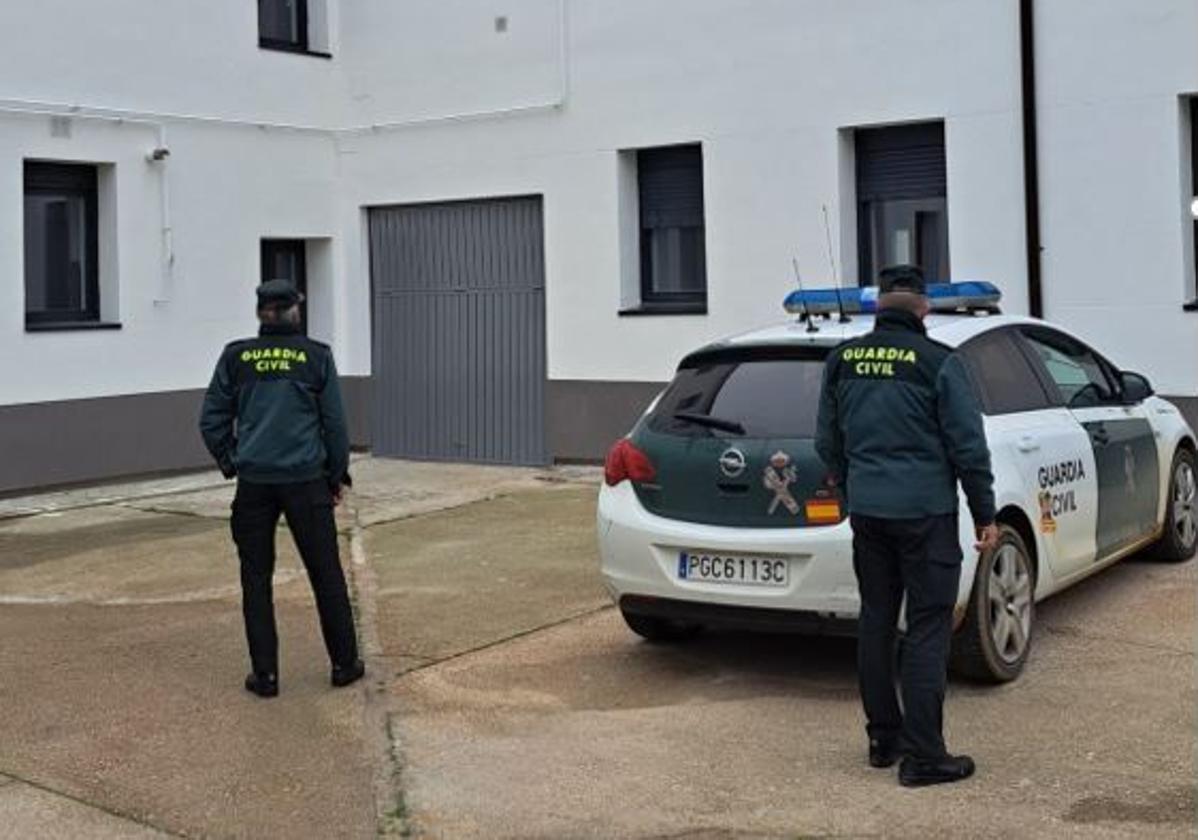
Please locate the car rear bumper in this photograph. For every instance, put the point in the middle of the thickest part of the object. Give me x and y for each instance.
(639, 553)
(730, 617)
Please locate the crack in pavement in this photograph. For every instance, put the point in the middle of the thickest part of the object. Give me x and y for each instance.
(212, 593)
(389, 810)
(164, 511)
(502, 491)
(393, 813)
(504, 640)
(449, 505)
(15, 778)
(8, 499)
(107, 501)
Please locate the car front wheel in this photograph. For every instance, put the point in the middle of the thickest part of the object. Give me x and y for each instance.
(993, 643)
(1180, 537)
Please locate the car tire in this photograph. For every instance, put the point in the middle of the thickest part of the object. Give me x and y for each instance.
(655, 629)
(993, 644)
(1180, 538)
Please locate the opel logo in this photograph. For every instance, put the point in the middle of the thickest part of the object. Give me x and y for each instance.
(732, 462)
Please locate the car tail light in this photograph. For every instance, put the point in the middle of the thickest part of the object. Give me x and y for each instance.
(625, 461)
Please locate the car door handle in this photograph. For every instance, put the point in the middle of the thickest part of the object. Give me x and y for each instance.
(1027, 443)
(1100, 437)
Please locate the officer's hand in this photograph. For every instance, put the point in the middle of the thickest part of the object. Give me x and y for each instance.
(987, 538)
(338, 495)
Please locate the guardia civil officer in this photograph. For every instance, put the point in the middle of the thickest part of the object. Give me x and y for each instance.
(272, 417)
(899, 428)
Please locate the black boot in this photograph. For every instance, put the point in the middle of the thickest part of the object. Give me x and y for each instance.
(344, 675)
(885, 753)
(264, 685)
(914, 772)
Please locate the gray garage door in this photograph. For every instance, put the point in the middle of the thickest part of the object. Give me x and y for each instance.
(459, 331)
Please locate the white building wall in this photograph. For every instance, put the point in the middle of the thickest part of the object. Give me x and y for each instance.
(230, 181)
(164, 56)
(228, 188)
(768, 87)
(765, 86)
(421, 59)
(1115, 187)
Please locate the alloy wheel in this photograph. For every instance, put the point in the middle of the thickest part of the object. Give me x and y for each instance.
(1185, 519)
(1010, 601)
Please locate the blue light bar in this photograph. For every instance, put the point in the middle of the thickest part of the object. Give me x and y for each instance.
(971, 295)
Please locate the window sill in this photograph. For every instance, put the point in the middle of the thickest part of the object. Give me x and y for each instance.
(296, 49)
(67, 326)
(665, 309)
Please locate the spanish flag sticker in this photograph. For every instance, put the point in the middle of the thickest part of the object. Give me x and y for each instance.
(823, 511)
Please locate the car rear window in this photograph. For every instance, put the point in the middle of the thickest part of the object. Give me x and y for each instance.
(768, 397)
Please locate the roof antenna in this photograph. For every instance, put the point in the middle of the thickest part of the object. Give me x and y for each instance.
(811, 327)
(844, 318)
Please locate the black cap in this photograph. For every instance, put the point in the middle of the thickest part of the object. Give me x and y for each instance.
(278, 292)
(902, 278)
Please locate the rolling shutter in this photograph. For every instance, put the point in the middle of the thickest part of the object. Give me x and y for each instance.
(671, 186)
(901, 162)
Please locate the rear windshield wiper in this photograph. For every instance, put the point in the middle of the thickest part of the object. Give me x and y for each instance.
(730, 426)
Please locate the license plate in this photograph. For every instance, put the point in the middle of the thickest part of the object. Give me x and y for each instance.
(720, 568)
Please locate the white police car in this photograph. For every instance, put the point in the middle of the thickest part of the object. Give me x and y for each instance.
(714, 510)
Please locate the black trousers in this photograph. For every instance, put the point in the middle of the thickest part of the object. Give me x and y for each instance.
(922, 559)
(308, 508)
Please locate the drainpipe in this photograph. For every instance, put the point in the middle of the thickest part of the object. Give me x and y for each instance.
(1031, 169)
(158, 157)
(155, 157)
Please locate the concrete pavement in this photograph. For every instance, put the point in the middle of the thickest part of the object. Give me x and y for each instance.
(122, 661)
(507, 700)
(124, 655)
(30, 811)
(583, 731)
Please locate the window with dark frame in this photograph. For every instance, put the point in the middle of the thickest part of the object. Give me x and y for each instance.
(283, 25)
(673, 251)
(284, 259)
(62, 277)
(902, 200)
(770, 397)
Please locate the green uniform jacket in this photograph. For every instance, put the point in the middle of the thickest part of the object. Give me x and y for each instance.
(899, 425)
(273, 413)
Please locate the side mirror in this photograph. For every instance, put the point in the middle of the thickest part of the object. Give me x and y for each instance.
(1136, 388)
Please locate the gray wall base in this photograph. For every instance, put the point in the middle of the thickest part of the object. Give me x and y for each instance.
(74, 441)
(585, 417)
(357, 393)
(582, 417)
